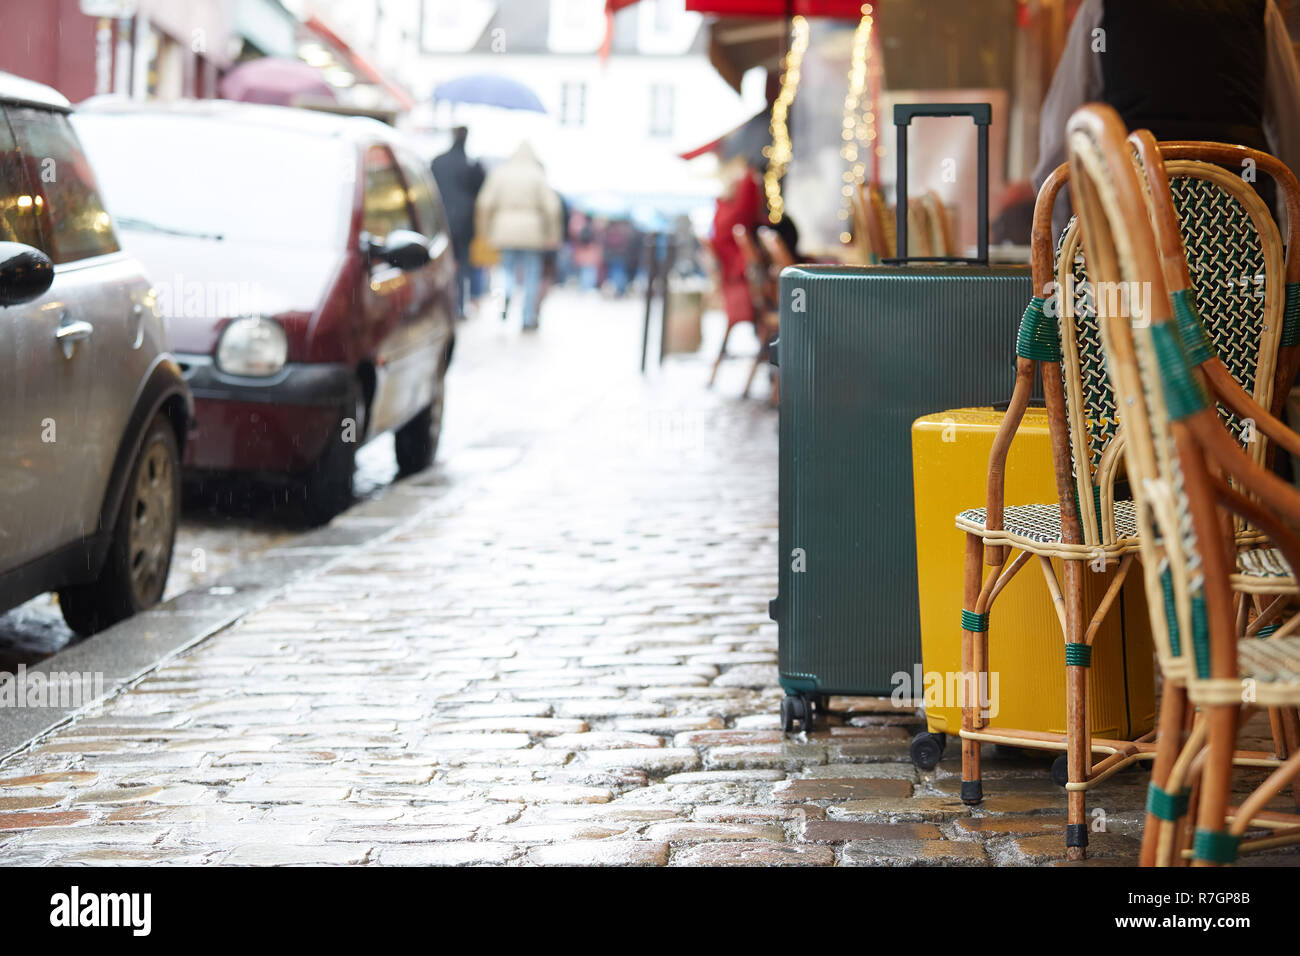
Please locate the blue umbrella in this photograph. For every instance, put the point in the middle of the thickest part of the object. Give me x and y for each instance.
(486, 89)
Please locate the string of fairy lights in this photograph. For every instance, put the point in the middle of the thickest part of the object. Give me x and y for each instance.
(858, 128)
(858, 133)
(779, 153)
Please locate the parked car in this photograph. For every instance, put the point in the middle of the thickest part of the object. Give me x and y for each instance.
(306, 278)
(93, 411)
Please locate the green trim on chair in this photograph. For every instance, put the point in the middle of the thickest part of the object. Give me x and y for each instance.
(1164, 805)
(1291, 315)
(1171, 612)
(1078, 655)
(1184, 393)
(1215, 846)
(1201, 637)
(1039, 339)
(970, 621)
(1267, 629)
(1196, 341)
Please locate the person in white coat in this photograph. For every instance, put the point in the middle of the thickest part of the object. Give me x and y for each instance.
(519, 213)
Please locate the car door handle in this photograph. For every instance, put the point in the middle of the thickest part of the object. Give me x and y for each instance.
(68, 334)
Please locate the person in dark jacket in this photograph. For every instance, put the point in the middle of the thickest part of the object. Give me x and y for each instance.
(1218, 70)
(459, 180)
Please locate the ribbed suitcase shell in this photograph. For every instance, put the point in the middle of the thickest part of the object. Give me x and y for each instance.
(863, 352)
(950, 453)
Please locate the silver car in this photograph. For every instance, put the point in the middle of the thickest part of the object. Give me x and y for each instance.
(93, 411)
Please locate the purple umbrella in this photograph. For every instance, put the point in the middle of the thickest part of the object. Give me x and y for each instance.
(275, 81)
(486, 89)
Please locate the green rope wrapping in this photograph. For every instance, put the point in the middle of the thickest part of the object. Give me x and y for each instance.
(1039, 338)
(1164, 805)
(1096, 506)
(1291, 315)
(1215, 846)
(1171, 612)
(1078, 655)
(1200, 637)
(1196, 341)
(970, 621)
(1184, 394)
(1267, 629)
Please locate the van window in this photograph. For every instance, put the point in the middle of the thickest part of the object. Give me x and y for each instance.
(73, 220)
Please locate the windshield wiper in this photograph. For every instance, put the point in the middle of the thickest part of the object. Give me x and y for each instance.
(144, 225)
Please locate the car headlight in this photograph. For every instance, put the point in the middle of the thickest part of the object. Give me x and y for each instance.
(252, 346)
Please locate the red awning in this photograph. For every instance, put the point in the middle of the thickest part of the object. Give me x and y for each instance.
(359, 63)
(837, 9)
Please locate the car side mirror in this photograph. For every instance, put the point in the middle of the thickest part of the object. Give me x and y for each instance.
(402, 249)
(25, 273)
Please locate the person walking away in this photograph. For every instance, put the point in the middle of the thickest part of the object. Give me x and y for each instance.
(617, 244)
(519, 213)
(459, 180)
(1220, 70)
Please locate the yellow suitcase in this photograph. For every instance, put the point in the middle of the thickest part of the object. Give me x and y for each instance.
(950, 453)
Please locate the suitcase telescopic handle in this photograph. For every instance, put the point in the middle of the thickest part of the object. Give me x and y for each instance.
(982, 115)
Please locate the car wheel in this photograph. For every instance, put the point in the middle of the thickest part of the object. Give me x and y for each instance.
(327, 486)
(140, 551)
(416, 442)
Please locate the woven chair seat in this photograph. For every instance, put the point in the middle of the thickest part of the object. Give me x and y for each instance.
(1263, 570)
(1037, 528)
(1276, 660)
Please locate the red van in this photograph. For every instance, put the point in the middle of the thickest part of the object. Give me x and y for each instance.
(304, 270)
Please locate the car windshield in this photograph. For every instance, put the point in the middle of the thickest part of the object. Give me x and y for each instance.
(209, 179)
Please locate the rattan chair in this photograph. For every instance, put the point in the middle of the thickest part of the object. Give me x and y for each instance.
(763, 292)
(1228, 232)
(1187, 471)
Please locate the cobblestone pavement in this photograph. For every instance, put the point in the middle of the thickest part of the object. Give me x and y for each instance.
(563, 658)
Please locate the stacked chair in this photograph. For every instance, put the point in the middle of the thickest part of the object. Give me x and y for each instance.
(1195, 488)
(1238, 308)
(930, 229)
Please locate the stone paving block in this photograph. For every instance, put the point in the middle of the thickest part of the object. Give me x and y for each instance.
(886, 809)
(847, 788)
(753, 854)
(911, 852)
(343, 854)
(548, 793)
(1049, 847)
(662, 760)
(389, 833)
(614, 852)
(1009, 825)
(781, 812)
(447, 854)
(840, 831)
(27, 821)
(603, 740)
(689, 832)
(787, 756)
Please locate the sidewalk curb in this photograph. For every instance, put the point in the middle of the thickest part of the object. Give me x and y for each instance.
(128, 652)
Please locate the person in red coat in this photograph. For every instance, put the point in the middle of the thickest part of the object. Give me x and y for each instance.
(739, 205)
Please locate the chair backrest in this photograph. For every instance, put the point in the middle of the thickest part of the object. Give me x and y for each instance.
(755, 268)
(941, 232)
(1237, 290)
(1169, 486)
(774, 247)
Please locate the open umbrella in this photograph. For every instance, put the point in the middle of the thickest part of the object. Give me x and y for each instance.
(277, 81)
(486, 89)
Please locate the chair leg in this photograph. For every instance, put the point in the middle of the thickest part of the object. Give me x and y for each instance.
(972, 656)
(759, 359)
(1169, 738)
(1078, 737)
(1216, 787)
(722, 354)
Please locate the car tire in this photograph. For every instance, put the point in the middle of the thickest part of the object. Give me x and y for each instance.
(416, 442)
(327, 486)
(140, 551)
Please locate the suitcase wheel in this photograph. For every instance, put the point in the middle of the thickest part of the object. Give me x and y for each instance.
(927, 749)
(796, 710)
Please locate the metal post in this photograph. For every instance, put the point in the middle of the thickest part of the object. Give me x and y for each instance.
(670, 254)
(651, 268)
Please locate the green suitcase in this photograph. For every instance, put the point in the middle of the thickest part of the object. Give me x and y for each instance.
(863, 352)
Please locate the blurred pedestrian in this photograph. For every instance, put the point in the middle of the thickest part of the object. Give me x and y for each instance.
(740, 204)
(459, 180)
(586, 250)
(619, 243)
(1220, 70)
(519, 213)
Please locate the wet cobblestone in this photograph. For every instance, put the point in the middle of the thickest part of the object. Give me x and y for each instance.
(562, 659)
